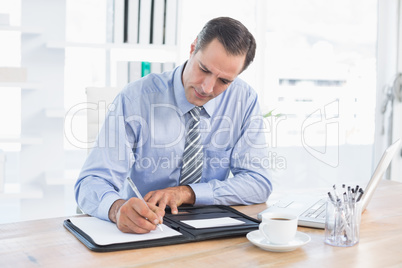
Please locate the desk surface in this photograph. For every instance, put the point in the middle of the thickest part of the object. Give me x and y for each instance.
(47, 243)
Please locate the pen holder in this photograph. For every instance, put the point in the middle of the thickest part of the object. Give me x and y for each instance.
(342, 223)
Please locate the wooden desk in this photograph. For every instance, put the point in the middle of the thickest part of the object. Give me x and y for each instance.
(46, 243)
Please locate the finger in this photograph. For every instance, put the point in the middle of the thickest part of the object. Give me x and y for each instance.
(140, 215)
(129, 226)
(158, 211)
(145, 212)
(173, 206)
(129, 221)
(156, 197)
(162, 204)
(148, 196)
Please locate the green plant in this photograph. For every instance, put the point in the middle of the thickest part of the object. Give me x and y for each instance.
(271, 113)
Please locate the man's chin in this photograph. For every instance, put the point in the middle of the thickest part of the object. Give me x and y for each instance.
(199, 103)
(197, 99)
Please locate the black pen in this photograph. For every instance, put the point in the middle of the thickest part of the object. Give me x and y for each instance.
(357, 188)
(349, 192)
(361, 192)
(330, 197)
(336, 194)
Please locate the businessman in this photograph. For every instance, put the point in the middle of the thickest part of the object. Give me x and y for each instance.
(191, 136)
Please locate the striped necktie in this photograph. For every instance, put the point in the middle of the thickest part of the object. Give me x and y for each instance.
(193, 155)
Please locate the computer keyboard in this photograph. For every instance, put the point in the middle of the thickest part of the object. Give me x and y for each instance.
(316, 211)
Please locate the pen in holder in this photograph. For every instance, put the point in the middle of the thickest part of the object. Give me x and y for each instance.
(342, 223)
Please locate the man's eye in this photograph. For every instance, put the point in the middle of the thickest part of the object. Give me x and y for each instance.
(224, 82)
(203, 70)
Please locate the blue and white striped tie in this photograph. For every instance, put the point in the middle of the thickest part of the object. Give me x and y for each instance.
(193, 155)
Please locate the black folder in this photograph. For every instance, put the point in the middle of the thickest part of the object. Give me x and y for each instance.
(188, 233)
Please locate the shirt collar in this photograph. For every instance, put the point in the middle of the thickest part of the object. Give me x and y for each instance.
(182, 104)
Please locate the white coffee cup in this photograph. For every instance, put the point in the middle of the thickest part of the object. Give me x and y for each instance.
(278, 227)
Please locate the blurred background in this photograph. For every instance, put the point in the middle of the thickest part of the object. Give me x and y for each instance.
(328, 72)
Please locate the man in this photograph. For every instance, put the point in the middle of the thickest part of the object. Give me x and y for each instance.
(200, 107)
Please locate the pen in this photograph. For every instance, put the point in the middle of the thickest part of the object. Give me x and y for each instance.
(361, 192)
(135, 189)
(330, 197)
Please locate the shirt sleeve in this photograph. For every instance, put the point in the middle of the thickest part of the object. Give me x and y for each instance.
(107, 164)
(248, 161)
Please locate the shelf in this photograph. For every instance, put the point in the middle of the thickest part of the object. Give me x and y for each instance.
(127, 52)
(23, 30)
(22, 85)
(63, 44)
(15, 190)
(24, 140)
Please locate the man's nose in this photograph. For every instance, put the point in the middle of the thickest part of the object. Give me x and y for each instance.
(208, 84)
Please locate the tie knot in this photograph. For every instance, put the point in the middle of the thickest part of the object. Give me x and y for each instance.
(195, 112)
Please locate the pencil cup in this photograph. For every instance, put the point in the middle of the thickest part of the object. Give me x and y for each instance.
(342, 223)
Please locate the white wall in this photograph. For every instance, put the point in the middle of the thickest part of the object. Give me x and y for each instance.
(396, 170)
(387, 69)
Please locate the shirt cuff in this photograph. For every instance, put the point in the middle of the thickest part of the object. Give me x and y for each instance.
(104, 206)
(203, 194)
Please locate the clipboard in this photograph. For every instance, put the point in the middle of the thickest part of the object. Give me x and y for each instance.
(177, 222)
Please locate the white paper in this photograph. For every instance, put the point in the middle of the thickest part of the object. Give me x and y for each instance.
(216, 222)
(106, 233)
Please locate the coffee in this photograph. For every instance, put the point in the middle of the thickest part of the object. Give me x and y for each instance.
(278, 227)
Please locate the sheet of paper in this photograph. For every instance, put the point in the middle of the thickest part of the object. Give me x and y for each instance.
(106, 233)
(216, 222)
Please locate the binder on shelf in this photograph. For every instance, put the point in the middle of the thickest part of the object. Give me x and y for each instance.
(145, 22)
(109, 21)
(168, 66)
(125, 29)
(132, 22)
(122, 74)
(138, 69)
(13, 74)
(171, 22)
(191, 224)
(118, 26)
(135, 70)
(158, 21)
(156, 67)
(145, 68)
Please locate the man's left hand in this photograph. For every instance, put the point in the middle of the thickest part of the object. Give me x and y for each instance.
(172, 197)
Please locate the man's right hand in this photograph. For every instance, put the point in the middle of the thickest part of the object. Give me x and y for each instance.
(133, 216)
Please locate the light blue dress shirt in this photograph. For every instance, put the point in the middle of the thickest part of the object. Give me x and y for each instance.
(144, 136)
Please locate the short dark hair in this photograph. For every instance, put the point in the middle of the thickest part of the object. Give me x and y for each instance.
(232, 34)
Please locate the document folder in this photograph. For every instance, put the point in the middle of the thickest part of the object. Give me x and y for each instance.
(181, 223)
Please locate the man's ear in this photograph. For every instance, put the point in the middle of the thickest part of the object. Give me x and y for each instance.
(192, 48)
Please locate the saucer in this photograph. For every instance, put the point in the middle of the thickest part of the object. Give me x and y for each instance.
(257, 239)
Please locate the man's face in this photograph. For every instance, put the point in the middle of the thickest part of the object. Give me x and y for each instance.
(209, 72)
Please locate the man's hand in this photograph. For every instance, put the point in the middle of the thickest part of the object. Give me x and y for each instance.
(133, 216)
(172, 197)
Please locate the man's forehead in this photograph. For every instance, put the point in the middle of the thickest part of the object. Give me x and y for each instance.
(220, 73)
(214, 57)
